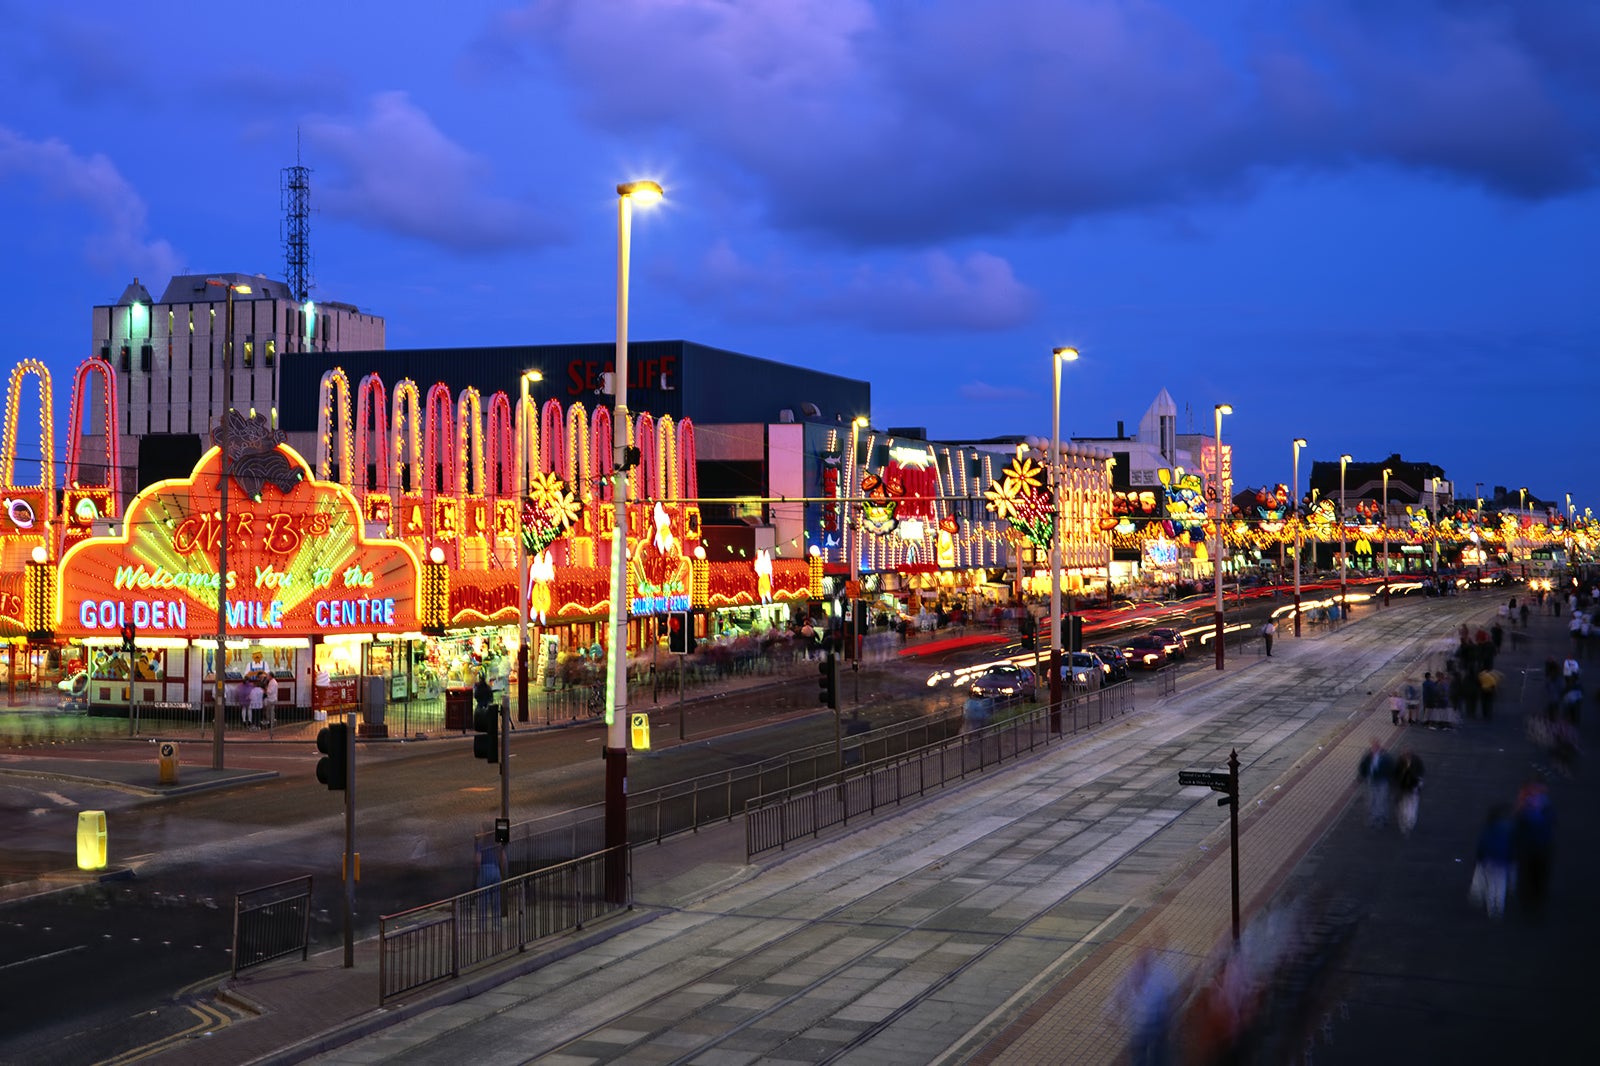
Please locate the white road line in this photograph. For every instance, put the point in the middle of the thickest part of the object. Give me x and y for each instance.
(41, 958)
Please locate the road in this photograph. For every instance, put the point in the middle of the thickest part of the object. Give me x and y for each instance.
(126, 950)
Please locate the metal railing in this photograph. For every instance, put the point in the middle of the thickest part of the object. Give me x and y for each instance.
(271, 922)
(776, 820)
(440, 941)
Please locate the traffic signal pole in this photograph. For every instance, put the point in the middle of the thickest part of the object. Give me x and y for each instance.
(350, 843)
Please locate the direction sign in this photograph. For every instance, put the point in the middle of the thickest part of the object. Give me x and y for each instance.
(1209, 778)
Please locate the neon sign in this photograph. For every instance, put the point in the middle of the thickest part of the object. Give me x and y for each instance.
(299, 560)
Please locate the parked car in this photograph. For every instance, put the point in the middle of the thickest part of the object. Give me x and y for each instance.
(1177, 647)
(1006, 682)
(1115, 660)
(1147, 651)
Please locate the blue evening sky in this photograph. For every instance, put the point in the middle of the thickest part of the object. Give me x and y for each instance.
(1371, 223)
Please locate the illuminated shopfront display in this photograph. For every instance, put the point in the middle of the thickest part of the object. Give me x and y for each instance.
(299, 560)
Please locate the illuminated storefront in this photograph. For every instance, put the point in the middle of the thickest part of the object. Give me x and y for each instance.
(301, 573)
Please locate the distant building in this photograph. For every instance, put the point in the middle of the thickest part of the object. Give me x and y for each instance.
(168, 357)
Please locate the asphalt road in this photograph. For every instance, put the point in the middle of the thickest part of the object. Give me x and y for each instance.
(95, 973)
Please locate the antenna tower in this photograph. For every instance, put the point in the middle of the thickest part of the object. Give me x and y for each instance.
(295, 185)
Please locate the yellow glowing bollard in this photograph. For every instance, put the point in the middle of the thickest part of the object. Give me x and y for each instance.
(640, 727)
(167, 763)
(91, 840)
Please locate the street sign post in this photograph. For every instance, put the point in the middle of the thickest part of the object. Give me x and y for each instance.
(1228, 784)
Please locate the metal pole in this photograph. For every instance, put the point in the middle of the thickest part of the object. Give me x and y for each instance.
(1055, 546)
(616, 751)
(505, 784)
(350, 841)
(1233, 834)
(1295, 496)
(221, 659)
(521, 473)
(1385, 519)
(1216, 563)
(1344, 592)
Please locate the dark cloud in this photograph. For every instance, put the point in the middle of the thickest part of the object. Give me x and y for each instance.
(913, 123)
(392, 169)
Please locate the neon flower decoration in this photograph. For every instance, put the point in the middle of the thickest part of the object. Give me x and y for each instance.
(549, 511)
(1018, 496)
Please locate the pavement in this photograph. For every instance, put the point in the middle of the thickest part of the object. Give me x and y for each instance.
(999, 921)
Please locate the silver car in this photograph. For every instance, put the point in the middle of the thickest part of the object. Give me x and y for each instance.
(1006, 682)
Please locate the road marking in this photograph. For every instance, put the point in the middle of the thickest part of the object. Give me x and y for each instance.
(41, 958)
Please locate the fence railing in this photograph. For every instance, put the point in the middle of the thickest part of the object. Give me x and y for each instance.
(271, 922)
(774, 821)
(440, 941)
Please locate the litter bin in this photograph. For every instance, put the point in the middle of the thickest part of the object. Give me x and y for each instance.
(167, 762)
(91, 840)
(458, 709)
(374, 702)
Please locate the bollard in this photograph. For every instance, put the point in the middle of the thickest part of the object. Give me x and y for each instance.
(167, 763)
(91, 840)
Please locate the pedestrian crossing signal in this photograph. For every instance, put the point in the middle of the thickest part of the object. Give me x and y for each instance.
(828, 681)
(639, 727)
(680, 633)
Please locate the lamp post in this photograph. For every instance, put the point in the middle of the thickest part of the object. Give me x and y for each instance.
(220, 662)
(1216, 562)
(1522, 539)
(1294, 494)
(852, 540)
(1344, 593)
(1057, 357)
(520, 472)
(1385, 517)
(643, 193)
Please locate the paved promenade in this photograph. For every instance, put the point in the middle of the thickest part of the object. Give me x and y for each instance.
(997, 922)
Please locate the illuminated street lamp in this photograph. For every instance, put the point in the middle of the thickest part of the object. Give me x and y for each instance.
(1294, 494)
(220, 661)
(520, 471)
(852, 534)
(1344, 592)
(1057, 357)
(1216, 563)
(629, 193)
(1386, 473)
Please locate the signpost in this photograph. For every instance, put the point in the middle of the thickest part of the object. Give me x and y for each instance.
(1228, 785)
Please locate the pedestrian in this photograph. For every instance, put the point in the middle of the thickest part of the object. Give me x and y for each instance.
(482, 691)
(1268, 630)
(1522, 613)
(1492, 876)
(270, 701)
(1150, 993)
(1408, 782)
(1497, 636)
(1397, 706)
(1532, 839)
(1377, 770)
(255, 697)
(1488, 686)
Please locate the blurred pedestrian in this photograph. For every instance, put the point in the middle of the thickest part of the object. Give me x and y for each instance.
(1377, 770)
(1408, 771)
(1488, 686)
(1533, 837)
(1150, 993)
(1269, 629)
(1492, 876)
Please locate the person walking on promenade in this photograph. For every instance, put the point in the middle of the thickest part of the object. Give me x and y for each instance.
(1408, 772)
(1268, 631)
(1533, 837)
(1492, 876)
(1377, 770)
(1488, 686)
(1150, 995)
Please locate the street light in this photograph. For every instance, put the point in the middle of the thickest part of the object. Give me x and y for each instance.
(1344, 562)
(219, 663)
(1216, 563)
(1294, 494)
(1057, 357)
(520, 473)
(852, 536)
(1386, 473)
(643, 193)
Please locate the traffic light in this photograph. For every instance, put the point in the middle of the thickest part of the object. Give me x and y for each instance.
(334, 743)
(129, 632)
(680, 633)
(486, 745)
(828, 681)
(1074, 632)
